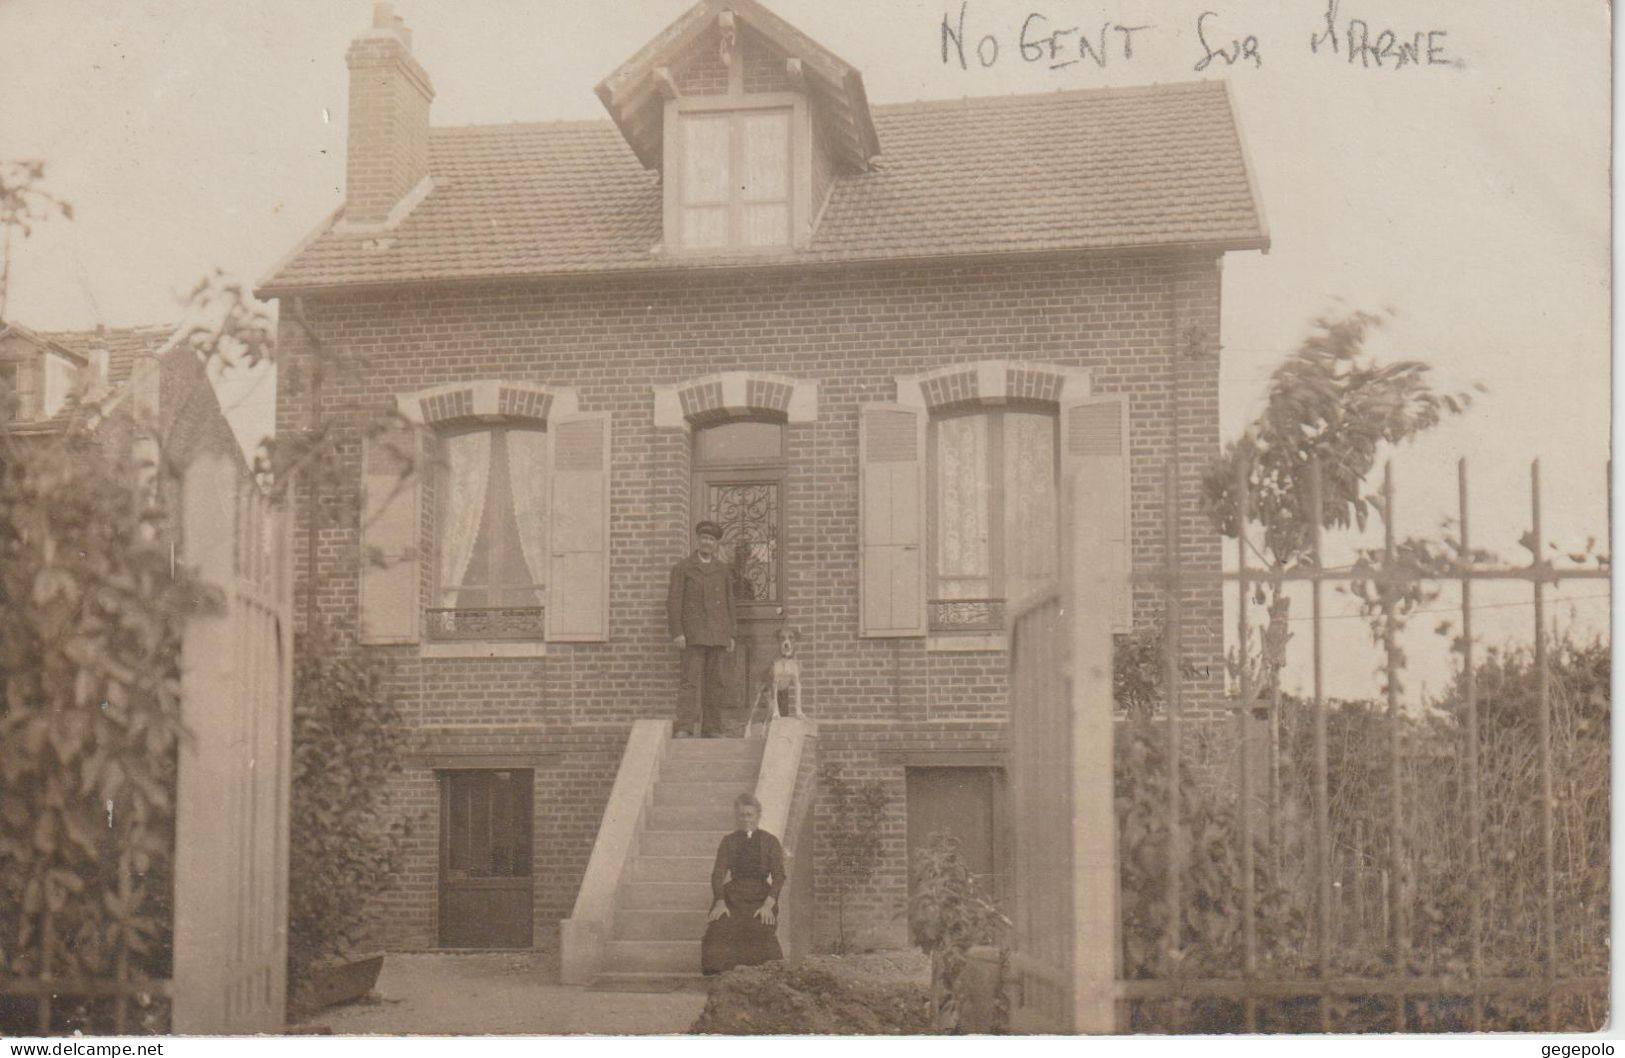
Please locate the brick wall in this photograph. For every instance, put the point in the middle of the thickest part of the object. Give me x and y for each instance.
(1144, 325)
(388, 152)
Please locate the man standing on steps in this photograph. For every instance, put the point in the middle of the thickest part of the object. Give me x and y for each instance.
(700, 613)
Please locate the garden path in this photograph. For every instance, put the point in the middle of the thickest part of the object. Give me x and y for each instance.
(498, 993)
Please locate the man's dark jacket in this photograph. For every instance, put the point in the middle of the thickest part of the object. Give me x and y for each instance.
(700, 603)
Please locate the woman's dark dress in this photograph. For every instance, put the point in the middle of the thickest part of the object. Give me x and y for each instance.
(749, 869)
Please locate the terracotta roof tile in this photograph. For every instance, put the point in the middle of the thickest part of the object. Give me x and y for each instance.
(1161, 165)
(123, 345)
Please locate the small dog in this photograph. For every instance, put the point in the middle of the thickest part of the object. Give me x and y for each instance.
(781, 690)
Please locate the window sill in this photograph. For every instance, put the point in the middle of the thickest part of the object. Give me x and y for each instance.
(474, 648)
(951, 643)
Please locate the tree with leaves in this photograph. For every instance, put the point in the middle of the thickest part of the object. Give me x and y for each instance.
(1330, 410)
(948, 915)
(24, 202)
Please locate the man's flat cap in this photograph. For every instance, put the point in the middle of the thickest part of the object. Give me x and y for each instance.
(711, 529)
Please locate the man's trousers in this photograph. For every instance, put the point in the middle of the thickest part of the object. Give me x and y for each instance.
(704, 695)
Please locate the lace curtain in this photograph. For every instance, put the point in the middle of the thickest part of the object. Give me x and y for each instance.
(527, 477)
(963, 566)
(1031, 535)
(964, 506)
(463, 488)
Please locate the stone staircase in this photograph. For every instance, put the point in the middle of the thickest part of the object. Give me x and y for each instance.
(661, 905)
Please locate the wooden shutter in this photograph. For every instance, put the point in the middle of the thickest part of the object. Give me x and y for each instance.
(891, 513)
(1094, 457)
(578, 566)
(390, 607)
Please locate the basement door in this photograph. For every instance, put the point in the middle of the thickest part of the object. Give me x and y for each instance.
(486, 885)
(965, 802)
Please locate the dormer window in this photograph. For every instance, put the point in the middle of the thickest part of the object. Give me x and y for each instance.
(735, 178)
(750, 124)
(34, 387)
(11, 397)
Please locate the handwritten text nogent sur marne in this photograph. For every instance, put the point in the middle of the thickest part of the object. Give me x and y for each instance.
(1041, 38)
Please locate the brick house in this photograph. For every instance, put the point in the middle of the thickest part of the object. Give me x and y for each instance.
(869, 340)
(40, 371)
(112, 374)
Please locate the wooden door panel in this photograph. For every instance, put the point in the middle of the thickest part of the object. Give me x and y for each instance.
(485, 918)
(486, 884)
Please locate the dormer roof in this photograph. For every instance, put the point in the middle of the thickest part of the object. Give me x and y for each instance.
(42, 341)
(632, 94)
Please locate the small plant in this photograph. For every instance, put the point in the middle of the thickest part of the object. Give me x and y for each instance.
(1140, 668)
(858, 810)
(347, 743)
(948, 915)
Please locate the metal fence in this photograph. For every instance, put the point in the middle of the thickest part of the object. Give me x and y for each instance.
(1346, 963)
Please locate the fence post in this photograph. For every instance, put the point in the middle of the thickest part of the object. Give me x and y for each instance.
(1089, 591)
(203, 845)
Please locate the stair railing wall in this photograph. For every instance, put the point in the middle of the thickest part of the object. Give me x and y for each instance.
(584, 935)
(787, 787)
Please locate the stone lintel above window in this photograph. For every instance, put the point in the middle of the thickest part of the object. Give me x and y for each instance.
(993, 382)
(485, 400)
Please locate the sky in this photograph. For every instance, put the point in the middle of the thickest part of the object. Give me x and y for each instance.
(1468, 194)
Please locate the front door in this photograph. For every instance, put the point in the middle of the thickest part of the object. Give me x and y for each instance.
(738, 483)
(485, 858)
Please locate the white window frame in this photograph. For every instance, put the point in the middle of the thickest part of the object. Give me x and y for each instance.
(798, 175)
(438, 511)
(995, 510)
(485, 410)
(991, 389)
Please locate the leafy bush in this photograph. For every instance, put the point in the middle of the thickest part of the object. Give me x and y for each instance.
(1436, 886)
(948, 915)
(91, 615)
(869, 995)
(1434, 858)
(347, 744)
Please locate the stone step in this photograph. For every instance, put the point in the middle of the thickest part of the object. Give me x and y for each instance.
(715, 749)
(665, 895)
(671, 869)
(699, 793)
(679, 843)
(719, 818)
(652, 956)
(659, 925)
(739, 771)
(649, 982)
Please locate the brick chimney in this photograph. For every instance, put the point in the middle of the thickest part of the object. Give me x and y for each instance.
(96, 376)
(388, 155)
